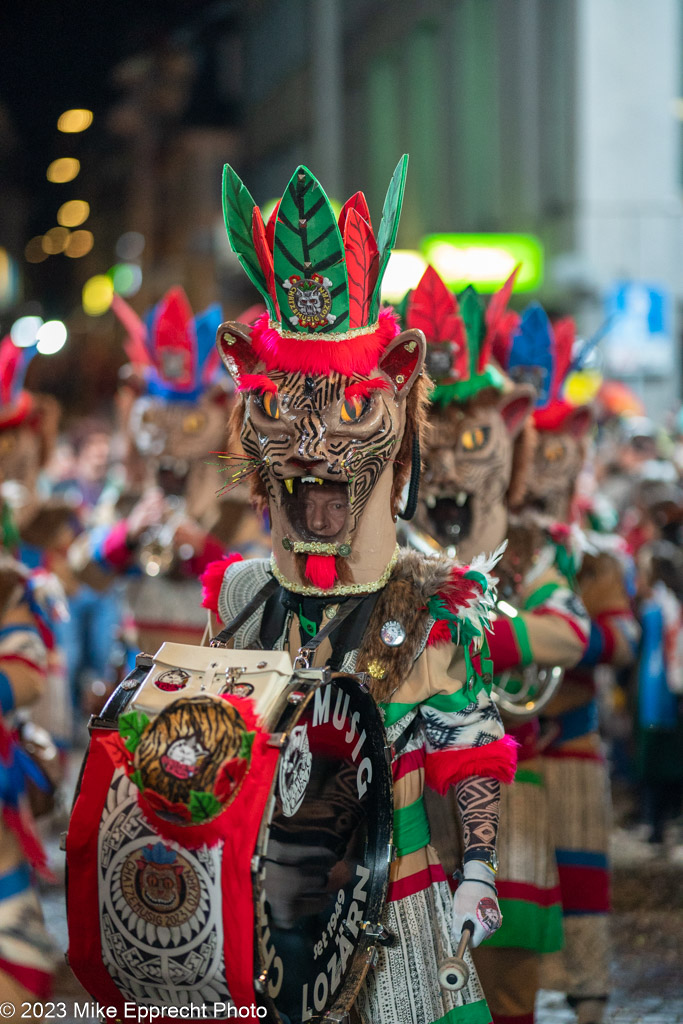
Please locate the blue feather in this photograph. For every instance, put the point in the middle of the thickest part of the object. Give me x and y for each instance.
(532, 354)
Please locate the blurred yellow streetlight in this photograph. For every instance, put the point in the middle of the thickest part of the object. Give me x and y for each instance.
(98, 292)
(34, 252)
(74, 120)
(73, 213)
(79, 244)
(64, 169)
(55, 240)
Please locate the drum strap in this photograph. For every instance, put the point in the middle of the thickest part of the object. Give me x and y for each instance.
(260, 597)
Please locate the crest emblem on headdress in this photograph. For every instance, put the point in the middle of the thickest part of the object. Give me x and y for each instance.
(309, 300)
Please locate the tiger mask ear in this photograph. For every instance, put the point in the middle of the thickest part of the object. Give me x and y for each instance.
(235, 348)
(403, 360)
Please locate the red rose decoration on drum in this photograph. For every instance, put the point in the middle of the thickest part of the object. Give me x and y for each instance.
(189, 762)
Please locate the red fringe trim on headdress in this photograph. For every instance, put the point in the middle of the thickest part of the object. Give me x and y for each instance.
(497, 760)
(309, 354)
(212, 578)
(321, 570)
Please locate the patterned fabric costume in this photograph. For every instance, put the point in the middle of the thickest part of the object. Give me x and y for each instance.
(332, 405)
(573, 766)
(473, 471)
(176, 407)
(27, 954)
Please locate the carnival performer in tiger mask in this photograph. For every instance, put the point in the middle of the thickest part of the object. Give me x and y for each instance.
(477, 461)
(574, 771)
(169, 524)
(27, 953)
(331, 413)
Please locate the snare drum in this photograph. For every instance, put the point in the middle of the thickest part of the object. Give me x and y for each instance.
(275, 898)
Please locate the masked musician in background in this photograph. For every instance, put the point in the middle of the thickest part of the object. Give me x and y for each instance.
(573, 766)
(331, 415)
(476, 466)
(169, 524)
(27, 953)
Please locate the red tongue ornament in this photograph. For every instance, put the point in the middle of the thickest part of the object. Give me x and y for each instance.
(321, 570)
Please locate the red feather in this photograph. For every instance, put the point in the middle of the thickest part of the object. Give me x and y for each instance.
(264, 253)
(270, 226)
(134, 345)
(362, 263)
(173, 331)
(433, 309)
(364, 388)
(565, 332)
(494, 313)
(358, 203)
(501, 340)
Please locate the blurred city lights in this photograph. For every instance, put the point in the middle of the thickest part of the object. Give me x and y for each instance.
(130, 245)
(73, 213)
(404, 270)
(76, 120)
(79, 244)
(485, 260)
(126, 278)
(64, 169)
(34, 252)
(55, 240)
(98, 292)
(9, 279)
(24, 331)
(51, 337)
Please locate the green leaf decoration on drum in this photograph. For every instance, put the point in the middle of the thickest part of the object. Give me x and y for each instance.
(131, 727)
(203, 807)
(311, 281)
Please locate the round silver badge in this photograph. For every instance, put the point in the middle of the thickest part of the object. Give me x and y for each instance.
(392, 633)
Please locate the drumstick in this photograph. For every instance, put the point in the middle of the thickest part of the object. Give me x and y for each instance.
(454, 973)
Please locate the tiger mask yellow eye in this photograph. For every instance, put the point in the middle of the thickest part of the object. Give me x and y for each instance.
(475, 439)
(270, 405)
(353, 408)
(553, 452)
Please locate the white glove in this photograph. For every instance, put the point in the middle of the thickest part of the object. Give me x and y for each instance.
(475, 900)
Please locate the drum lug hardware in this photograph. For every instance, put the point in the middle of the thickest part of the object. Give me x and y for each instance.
(255, 864)
(62, 841)
(378, 933)
(260, 982)
(295, 697)
(391, 853)
(372, 956)
(337, 1018)
(276, 739)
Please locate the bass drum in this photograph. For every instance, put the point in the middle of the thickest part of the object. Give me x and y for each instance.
(321, 866)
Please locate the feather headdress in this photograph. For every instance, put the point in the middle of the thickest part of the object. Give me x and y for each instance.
(320, 276)
(172, 351)
(460, 334)
(541, 353)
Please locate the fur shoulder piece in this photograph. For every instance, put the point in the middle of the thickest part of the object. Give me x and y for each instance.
(433, 600)
(463, 605)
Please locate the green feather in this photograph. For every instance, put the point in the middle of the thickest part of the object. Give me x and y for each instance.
(472, 315)
(238, 207)
(388, 228)
(308, 241)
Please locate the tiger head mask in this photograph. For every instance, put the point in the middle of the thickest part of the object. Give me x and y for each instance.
(331, 391)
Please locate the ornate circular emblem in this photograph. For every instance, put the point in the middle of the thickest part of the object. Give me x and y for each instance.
(309, 300)
(172, 680)
(392, 633)
(295, 770)
(160, 885)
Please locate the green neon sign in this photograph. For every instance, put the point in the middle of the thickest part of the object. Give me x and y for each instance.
(485, 260)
